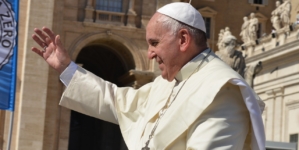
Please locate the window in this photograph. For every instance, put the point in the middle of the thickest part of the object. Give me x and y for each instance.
(258, 2)
(259, 31)
(208, 26)
(209, 16)
(109, 5)
(294, 138)
(262, 19)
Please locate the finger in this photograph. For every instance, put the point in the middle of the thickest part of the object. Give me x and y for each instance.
(50, 33)
(59, 43)
(37, 51)
(43, 53)
(48, 40)
(41, 34)
(38, 41)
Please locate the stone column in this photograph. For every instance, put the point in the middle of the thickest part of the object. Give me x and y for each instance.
(275, 104)
(270, 115)
(89, 4)
(89, 11)
(2, 121)
(31, 101)
(278, 111)
(131, 6)
(131, 14)
(64, 128)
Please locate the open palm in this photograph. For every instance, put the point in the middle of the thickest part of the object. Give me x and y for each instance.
(52, 49)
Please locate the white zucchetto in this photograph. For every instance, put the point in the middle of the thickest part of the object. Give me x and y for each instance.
(185, 13)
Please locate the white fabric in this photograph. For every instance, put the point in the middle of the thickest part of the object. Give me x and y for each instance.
(184, 12)
(184, 125)
(206, 129)
(67, 74)
(258, 139)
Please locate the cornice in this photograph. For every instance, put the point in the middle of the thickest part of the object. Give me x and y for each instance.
(275, 52)
(275, 92)
(108, 26)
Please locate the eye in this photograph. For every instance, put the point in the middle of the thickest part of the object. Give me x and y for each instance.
(154, 43)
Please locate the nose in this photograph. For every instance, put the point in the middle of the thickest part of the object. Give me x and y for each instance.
(151, 54)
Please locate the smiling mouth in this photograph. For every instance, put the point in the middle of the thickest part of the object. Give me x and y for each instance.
(159, 61)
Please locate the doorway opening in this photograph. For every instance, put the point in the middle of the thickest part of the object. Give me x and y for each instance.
(88, 133)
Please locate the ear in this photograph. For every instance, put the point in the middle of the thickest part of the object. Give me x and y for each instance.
(184, 39)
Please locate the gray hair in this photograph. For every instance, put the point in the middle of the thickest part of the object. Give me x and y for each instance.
(174, 26)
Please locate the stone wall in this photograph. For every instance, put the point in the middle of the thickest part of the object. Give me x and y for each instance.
(277, 84)
(39, 122)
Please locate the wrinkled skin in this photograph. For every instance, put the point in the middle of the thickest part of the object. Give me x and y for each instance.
(54, 53)
(168, 49)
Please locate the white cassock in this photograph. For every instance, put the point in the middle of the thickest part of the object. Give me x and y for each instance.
(214, 108)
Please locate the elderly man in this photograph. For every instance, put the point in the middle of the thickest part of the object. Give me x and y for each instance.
(198, 102)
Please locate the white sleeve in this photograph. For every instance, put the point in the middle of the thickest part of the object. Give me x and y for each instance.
(90, 95)
(67, 75)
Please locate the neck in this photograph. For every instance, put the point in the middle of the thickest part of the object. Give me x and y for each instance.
(190, 54)
(197, 51)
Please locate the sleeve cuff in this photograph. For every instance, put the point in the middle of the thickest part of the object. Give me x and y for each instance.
(67, 75)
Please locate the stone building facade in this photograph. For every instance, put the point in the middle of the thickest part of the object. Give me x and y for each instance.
(278, 84)
(109, 40)
(111, 37)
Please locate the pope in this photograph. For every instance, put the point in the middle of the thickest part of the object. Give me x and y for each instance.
(198, 102)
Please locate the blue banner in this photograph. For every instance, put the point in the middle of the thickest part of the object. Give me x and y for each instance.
(9, 10)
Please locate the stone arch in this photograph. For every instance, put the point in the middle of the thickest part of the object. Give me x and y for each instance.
(84, 40)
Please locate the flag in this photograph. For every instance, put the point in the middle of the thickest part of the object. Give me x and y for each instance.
(8, 52)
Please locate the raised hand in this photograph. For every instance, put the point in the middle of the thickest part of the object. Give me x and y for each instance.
(52, 49)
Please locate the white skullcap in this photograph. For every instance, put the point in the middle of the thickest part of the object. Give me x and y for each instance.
(185, 13)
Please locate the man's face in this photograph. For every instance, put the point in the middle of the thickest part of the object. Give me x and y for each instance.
(163, 47)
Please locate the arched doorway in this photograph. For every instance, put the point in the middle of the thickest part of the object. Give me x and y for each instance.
(88, 133)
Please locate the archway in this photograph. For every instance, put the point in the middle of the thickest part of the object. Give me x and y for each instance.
(108, 63)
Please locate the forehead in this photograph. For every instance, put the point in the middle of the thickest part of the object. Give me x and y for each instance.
(153, 21)
(154, 26)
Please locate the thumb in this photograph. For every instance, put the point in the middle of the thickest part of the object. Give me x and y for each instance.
(59, 43)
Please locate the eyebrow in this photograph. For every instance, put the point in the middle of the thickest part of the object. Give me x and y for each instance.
(153, 40)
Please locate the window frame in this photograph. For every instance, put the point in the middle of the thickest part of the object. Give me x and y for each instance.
(263, 3)
(262, 20)
(208, 12)
(109, 6)
(208, 29)
(297, 137)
